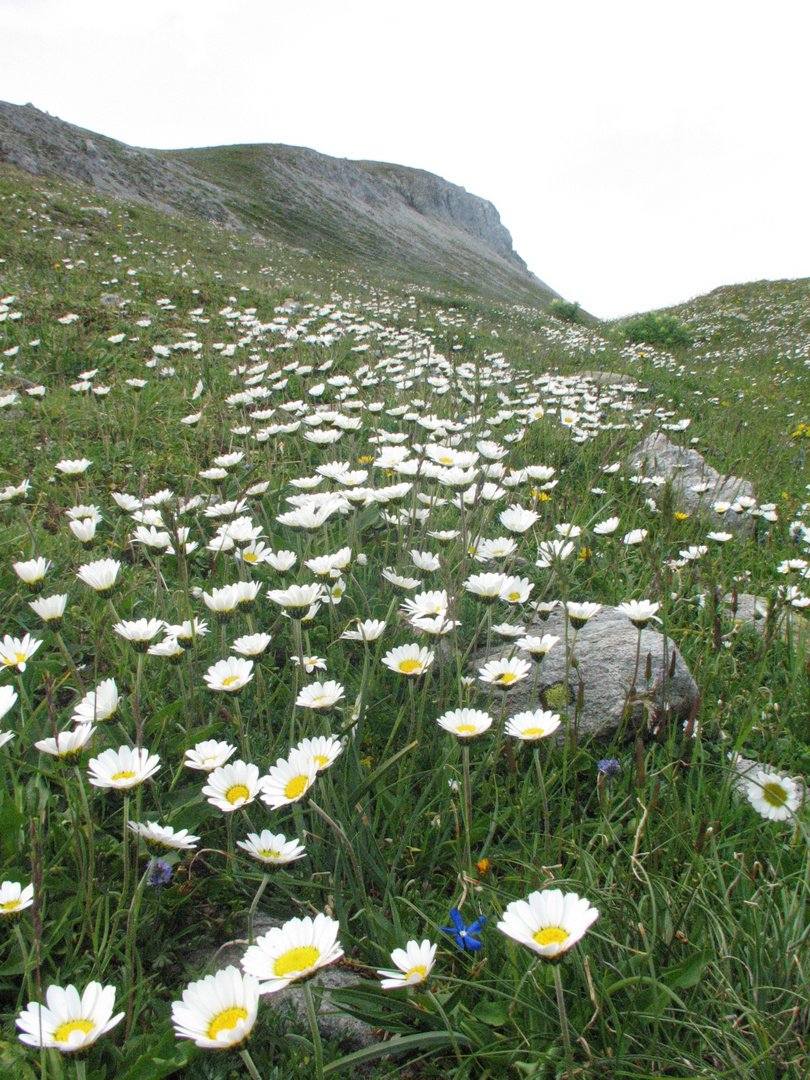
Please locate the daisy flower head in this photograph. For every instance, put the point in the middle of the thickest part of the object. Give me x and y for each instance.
(219, 1011)
(297, 599)
(311, 663)
(485, 587)
(323, 750)
(100, 575)
(518, 520)
(413, 965)
(164, 837)
(68, 745)
(400, 583)
(73, 466)
(140, 632)
(123, 768)
(635, 536)
(251, 644)
(289, 779)
(50, 609)
(320, 696)
(516, 590)
(292, 951)
(16, 653)
(222, 602)
(465, 723)
(409, 660)
(579, 614)
(33, 572)
(14, 898)
(272, 849)
(537, 646)
(532, 725)
(367, 630)
(606, 528)
(232, 786)
(504, 673)
(8, 698)
(230, 675)
(208, 755)
(549, 922)
(281, 561)
(69, 1022)
(97, 705)
(640, 612)
(773, 796)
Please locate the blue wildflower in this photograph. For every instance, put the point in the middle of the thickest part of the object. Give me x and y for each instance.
(609, 767)
(464, 934)
(160, 873)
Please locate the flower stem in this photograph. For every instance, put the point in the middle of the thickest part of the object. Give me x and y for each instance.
(345, 841)
(467, 790)
(254, 905)
(542, 786)
(125, 853)
(569, 1057)
(250, 1064)
(313, 1027)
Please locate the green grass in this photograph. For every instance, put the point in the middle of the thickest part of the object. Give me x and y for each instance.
(696, 965)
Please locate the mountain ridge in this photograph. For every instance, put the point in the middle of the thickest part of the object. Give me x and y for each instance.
(406, 222)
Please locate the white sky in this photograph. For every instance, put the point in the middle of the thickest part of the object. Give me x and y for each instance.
(639, 152)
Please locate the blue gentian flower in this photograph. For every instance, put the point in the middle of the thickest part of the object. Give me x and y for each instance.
(464, 934)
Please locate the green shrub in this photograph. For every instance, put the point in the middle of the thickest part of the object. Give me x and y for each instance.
(564, 309)
(656, 329)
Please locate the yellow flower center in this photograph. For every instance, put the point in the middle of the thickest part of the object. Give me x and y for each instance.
(419, 970)
(551, 935)
(465, 729)
(124, 776)
(21, 657)
(64, 1031)
(10, 905)
(533, 733)
(296, 961)
(226, 1021)
(446, 460)
(513, 596)
(408, 667)
(321, 761)
(237, 792)
(230, 680)
(774, 794)
(506, 678)
(269, 854)
(248, 556)
(296, 787)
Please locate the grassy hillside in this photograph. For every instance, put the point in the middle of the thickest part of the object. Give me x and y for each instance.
(171, 391)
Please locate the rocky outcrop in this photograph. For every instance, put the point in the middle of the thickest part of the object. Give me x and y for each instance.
(696, 485)
(605, 653)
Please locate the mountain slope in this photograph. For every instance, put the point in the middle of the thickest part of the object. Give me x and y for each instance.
(405, 224)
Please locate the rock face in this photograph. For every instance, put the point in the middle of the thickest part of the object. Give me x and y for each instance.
(411, 224)
(605, 649)
(687, 469)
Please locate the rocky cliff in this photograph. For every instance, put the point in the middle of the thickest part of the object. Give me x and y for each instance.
(402, 222)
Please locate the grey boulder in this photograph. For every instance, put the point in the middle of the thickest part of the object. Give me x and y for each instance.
(687, 470)
(605, 655)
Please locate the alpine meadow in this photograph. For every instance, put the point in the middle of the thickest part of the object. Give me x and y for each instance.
(403, 673)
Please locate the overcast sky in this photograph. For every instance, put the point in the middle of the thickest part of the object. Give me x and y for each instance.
(639, 153)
